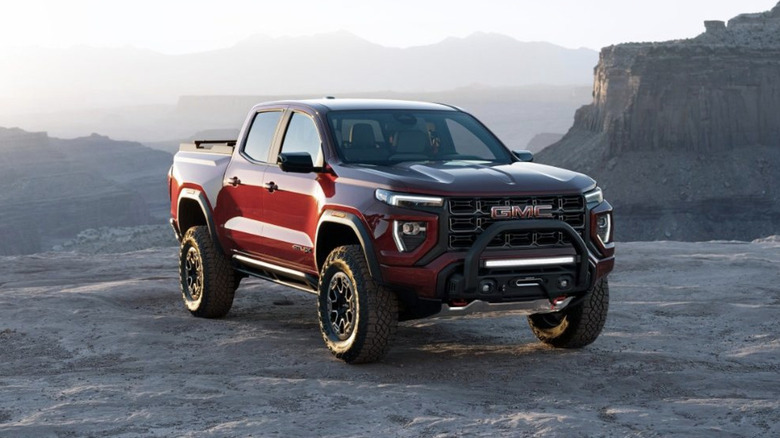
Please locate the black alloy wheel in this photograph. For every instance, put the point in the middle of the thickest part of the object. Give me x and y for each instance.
(342, 305)
(193, 271)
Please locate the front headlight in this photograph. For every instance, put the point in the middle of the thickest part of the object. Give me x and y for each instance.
(604, 227)
(408, 201)
(594, 196)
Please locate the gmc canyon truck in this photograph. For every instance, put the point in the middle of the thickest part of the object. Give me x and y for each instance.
(390, 211)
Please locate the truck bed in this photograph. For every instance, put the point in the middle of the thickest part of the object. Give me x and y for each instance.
(224, 147)
(203, 164)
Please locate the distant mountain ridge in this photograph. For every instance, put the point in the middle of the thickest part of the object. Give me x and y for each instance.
(52, 188)
(84, 77)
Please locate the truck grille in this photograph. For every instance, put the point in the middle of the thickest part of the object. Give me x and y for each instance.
(469, 217)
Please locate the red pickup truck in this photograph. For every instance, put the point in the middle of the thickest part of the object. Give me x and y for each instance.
(389, 211)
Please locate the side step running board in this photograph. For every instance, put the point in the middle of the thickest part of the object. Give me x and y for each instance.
(279, 274)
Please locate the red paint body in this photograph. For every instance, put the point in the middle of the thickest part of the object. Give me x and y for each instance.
(276, 217)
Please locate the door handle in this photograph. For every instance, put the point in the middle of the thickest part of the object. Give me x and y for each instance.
(234, 181)
(271, 186)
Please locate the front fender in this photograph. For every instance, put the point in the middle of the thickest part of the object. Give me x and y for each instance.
(364, 237)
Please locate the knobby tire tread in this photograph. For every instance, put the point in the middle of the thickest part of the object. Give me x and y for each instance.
(219, 280)
(584, 322)
(375, 331)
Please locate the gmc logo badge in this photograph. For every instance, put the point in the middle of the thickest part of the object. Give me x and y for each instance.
(521, 212)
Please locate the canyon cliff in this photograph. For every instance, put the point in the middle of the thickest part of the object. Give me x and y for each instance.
(684, 136)
(55, 188)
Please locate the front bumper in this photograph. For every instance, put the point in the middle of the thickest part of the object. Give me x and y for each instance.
(494, 277)
(521, 307)
(539, 279)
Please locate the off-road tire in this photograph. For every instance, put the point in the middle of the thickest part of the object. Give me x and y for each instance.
(208, 282)
(358, 317)
(576, 326)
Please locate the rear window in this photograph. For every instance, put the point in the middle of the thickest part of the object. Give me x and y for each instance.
(261, 134)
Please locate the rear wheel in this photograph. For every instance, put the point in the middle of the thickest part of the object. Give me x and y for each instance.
(575, 326)
(208, 282)
(358, 318)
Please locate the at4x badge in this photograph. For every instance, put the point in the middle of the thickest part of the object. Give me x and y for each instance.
(521, 212)
(302, 248)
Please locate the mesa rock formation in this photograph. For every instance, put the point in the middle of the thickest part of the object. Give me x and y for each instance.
(684, 136)
(53, 188)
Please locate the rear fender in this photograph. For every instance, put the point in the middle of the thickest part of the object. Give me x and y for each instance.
(183, 223)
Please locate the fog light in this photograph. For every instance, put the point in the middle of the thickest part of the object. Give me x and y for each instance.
(487, 286)
(412, 228)
(408, 235)
(604, 227)
(564, 282)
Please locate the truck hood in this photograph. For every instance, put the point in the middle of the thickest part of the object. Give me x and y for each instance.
(469, 178)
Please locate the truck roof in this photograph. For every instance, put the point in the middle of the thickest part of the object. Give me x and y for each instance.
(335, 104)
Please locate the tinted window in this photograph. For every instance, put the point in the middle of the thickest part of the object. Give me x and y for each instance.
(465, 142)
(261, 134)
(302, 136)
(385, 137)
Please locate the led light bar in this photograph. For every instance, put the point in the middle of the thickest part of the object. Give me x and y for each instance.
(513, 263)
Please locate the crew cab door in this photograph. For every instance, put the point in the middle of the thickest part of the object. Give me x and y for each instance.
(239, 209)
(292, 201)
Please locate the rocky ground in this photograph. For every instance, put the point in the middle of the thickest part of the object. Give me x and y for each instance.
(107, 240)
(100, 345)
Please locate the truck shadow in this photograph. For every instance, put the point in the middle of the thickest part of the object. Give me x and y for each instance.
(285, 320)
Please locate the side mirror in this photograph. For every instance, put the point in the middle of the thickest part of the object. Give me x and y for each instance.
(296, 162)
(524, 155)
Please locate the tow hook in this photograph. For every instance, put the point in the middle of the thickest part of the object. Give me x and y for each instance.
(558, 301)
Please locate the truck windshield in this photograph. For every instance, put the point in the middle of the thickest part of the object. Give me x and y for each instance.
(385, 137)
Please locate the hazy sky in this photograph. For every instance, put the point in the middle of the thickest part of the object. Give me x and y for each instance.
(180, 26)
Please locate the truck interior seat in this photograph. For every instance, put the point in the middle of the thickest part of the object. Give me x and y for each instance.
(362, 144)
(411, 142)
(361, 136)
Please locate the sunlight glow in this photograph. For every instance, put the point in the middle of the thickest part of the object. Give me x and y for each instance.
(178, 26)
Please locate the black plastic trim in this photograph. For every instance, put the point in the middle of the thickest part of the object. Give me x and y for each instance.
(442, 238)
(603, 207)
(200, 198)
(307, 283)
(471, 262)
(199, 143)
(352, 221)
(175, 227)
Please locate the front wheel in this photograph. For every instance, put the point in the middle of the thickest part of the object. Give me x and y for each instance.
(208, 282)
(358, 318)
(575, 326)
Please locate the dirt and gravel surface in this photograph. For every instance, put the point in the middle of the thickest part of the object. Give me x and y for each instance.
(100, 345)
